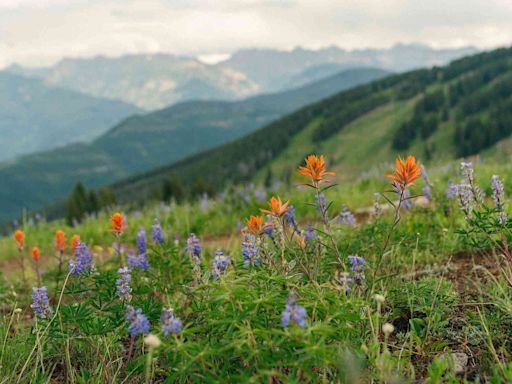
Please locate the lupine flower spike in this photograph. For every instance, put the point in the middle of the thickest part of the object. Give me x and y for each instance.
(219, 264)
(293, 313)
(138, 322)
(83, 260)
(157, 234)
(41, 303)
(498, 195)
(194, 251)
(170, 324)
(315, 170)
(123, 289)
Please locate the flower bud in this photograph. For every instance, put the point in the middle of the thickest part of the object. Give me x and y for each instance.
(387, 328)
(152, 341)
(380, 298)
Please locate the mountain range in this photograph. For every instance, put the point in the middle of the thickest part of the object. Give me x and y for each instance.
(153, 81)
(146, 141)
(36, 117)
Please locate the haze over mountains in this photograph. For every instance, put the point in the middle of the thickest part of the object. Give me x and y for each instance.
(159, 80)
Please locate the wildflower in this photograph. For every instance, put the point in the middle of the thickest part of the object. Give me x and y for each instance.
(427, 193)
(36, 254)
(19, 236)
(407, 201)
(250, 251)
(83, 261)
(467, 171)
(157, 234)
(289, 216)
(219, 264)
(170, 324)
(268, 230)
(498, 193)
(74, 241)
(464, 196)
(379, 298)
(425, 177)
(141, 241)
(138, 261)
(321, 203)
(315, 170)
(123, 289)
(347, 218)
(118, 224)
(357, 264)
(277, 207)
(139, 323)
(152, 341)
(344, 279)
(194, 247)
(301, 241)
(255, 225)
(60, 240)
(406, 172)
(293, 312)
(451, 191)
(41, 303)
(388, 329)
(310, 234)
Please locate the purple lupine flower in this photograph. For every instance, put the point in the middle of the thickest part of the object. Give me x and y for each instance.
(427, 193)
(345, 280)
(83, 260)
(157, 234)
(170, 324)
(138, 322)
(194, 247)
(467, 171)
(465, 198)
(498, 192)
(41, 303)
(142, 244)
(425, 177)
(407, 203)
(268, 229)
(321, 203)
(123, 289)
(138, 261)
(250, 251)
(219, 264)
(346, 217)
(451, 191)
(310, 234)
(293, 312)
(357, 263)
(289, 216)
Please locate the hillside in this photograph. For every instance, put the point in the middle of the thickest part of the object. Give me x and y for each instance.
(438, 114)
(36, 117)
(154, 81)
(143, 142)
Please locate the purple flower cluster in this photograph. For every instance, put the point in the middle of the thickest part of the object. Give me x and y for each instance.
(357, 266)
(138, 261)
(451, 191)
(467, 171)
(407, 203)
(138, 322)
(170, 324)
(289, 216)
(157, 234)
(219, 264)
(498, 195)
(464, 195)
(83, 260)
(344, 280)
(194, 247)
(123, 289)
(41, 303)
(347, 218)
(250, 251)
(293, 312)
(310, 233)
(142, 244)
(321, 204)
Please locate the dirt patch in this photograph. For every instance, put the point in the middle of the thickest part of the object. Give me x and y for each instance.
(466, 269)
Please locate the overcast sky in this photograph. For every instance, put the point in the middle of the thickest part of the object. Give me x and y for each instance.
(40, 32)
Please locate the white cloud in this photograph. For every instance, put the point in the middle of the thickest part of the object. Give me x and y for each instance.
(35, 32)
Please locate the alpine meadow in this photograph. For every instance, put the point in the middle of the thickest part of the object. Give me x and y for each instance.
(244, 192)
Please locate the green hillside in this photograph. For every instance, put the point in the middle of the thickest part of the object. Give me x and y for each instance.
(441, 113)
(36, 117)
(144, 142)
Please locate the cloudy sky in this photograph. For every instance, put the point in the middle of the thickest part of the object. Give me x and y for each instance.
(40, 32)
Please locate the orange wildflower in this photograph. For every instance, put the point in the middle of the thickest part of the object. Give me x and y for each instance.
(19, 236)
(60, 240)
(255, 225)
(405, 173)
(315, 169)
(36, 254)
(74, 241)
(302, 242)
(117, 222)
(277, 207)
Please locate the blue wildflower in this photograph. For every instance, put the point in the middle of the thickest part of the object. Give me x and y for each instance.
(451, 191)
(268, 229)
(293, 312)
(157, 234)
(219, 264)
(194, 247)
(407, 203)
(41, 303)
(357, 264)
(83, 260)
(310, 234)
(345, 280)
(347, 218)
(123, 289)
(170, 324)
(427, 193)
(138, 322)
(138, 261)
(250, 251)
(321, 203)
(142, 244)
(289, 216)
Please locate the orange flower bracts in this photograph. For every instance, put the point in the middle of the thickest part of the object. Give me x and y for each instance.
(255, 225)
(74, 241)
(36, 254)
(277, 207)
(19, 236)
(315, 170)
(117, 222)
(60, 240)
(405, 173)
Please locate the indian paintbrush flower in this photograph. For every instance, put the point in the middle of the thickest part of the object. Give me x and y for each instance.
(315, 170)
(405, 173)
(277, 207)
(60, 240)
